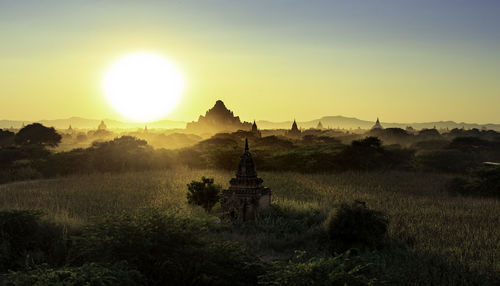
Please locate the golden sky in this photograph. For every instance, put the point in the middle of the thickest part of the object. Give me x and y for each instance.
(267, 60)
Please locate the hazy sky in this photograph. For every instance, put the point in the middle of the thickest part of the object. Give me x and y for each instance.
(403, 61)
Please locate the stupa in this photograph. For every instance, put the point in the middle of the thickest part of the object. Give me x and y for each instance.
(294, 132)
(377, 125)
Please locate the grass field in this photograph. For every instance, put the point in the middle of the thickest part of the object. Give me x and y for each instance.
(465, 230)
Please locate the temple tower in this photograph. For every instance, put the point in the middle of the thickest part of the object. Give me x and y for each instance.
(246, 192)
(319, 126)
(255, 130)
(102, 126)
(294, 132)
(377, 125)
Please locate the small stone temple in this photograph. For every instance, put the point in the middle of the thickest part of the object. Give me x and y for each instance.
(246, 193)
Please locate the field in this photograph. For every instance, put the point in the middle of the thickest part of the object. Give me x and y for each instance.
(463, 231)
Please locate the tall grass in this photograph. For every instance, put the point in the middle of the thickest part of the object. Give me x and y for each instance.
(466, 230)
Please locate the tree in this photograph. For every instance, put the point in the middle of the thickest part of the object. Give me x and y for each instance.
(37, 134)
(355, 225)
(6, 137)
(203, 193)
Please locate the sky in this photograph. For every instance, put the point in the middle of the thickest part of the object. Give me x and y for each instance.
(402, 61)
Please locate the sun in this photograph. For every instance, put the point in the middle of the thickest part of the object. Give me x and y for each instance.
(143, 86)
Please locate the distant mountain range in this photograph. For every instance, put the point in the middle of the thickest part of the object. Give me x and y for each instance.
(326, 121)
(84, 123)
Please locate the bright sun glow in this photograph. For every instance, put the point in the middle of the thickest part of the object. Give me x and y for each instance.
(143, 86)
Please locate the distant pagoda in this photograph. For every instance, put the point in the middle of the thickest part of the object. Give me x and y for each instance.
(218, 119)
(319, 126)
(377, 125)
(102, 126)
(246, 193)
(255, 130)
(294, 132)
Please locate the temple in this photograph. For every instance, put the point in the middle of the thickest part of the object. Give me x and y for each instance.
(294, 132)
(218, 119)
(319, 126)
(377, 125)
(255, 130)
(102, 126)
(246, 193)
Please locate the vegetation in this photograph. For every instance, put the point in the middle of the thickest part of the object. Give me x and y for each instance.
(482, 182)
(203, 193)
(356, 226)
(432, 238)
(117, 212)
(37, 134)
(30, 155)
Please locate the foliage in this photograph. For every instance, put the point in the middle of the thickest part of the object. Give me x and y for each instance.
(483, 182)
(357, 226)
(284, 228)
(24, 238)
(37, 134)
(87, 274)
(450, 161)
(204, 193)
(363, 154)
(448, 244)
(6, 137)
(119, 155)
(167, 250)
(342, 269)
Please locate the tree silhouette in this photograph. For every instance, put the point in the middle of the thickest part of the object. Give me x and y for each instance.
(203, 193)
(37, 134)
(6, 137)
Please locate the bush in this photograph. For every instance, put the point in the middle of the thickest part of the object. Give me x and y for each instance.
(87, 274)
(203, 193)
(25, 239)
(342, 269)
(167, 250)
(356, 226)
(481, 182)
(283, 229)
(445, 161)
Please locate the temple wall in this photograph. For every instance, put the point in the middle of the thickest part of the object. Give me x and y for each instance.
(265, 201)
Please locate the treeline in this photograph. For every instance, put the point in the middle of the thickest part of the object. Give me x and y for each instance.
(27, 155)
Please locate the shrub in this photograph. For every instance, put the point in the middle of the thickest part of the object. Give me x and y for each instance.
(167, 250)
(481, 182)
(25, 239)
(445, 161)
(87, 274)
(357, 226)
(283, 228)
(342, 269)
(203, 193)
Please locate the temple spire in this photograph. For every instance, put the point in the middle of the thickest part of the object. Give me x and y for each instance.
(246, 144)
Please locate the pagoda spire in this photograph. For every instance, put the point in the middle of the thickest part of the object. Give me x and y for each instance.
(246, 145)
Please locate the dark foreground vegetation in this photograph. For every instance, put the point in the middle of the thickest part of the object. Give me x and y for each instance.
(97, 226)
(350, 246)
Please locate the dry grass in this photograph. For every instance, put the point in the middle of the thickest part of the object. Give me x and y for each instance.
(467, 229)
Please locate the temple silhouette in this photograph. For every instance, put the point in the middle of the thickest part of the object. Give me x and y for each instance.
(294, 131)
(246, 193)
(377, 125)
(218, 119)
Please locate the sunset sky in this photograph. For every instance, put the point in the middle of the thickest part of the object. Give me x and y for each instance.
(403, 61)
